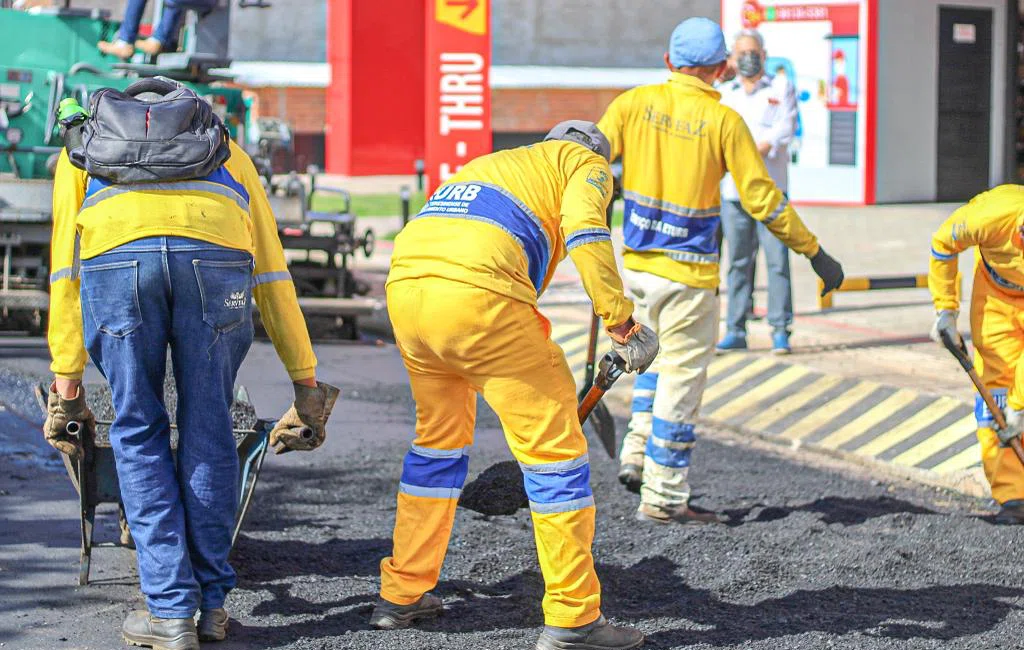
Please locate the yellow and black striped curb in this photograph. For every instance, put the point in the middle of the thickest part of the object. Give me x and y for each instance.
(797, 404)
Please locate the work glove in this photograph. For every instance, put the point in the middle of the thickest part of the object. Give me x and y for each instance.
(638, 347)
(304, 426)
(59, 413)
(828, 269)
(1014, 426)
(945, 323)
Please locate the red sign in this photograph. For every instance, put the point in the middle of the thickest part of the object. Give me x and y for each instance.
(458, 54)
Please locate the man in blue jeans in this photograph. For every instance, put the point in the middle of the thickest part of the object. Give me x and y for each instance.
(165, 35)
(768, 107)
(140, 269)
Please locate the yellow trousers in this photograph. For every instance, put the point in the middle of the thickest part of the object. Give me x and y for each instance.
(458, 340)
(997, 329)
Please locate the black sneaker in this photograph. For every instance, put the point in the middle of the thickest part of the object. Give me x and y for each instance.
(142, 629)
(389, 616)
(599, 635)
(1011, 514)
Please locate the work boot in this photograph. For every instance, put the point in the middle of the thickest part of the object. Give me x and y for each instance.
(678, 514)
(599, 635)
(780, 342)
(632, 476)
(1011, 514)
(143, 629)
(213, 624)
(389, 616)
(120, 49)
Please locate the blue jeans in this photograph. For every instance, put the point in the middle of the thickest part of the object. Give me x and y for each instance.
(166, 30)
(195, 298)
(742, 236)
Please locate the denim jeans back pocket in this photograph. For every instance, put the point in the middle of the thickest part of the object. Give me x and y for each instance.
(111, 292)
(226, 291)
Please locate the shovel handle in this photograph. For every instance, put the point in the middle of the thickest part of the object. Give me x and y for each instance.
(612, 367)
(960, 352)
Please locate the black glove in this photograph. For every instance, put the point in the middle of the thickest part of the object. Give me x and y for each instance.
(828, 269)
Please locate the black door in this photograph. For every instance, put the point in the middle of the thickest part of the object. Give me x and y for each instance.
(965, 102)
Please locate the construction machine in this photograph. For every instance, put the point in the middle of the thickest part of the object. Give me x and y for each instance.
(48, 54)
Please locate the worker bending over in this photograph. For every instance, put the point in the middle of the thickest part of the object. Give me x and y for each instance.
(165, 255)
(992, 223)
(462, 295)
(677, 142)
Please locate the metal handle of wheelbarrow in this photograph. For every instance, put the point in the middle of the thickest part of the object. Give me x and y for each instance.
(74, 427)
(612, 367)
(960, 353)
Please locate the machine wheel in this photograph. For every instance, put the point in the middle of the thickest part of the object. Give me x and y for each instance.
(369, 242)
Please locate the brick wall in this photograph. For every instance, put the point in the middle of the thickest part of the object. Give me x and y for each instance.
(303, 108)
(535, 110)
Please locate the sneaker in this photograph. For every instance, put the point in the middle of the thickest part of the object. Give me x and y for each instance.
(599, 635)
(679, 515)
(143, 629)
(1011, 514)
(632, 476)
(213, 624)
(780, 342)
(731, 342)
(389, 616)
(120, 49)
(150, 46)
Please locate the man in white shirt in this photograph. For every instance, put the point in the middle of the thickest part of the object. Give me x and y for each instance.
(768, 106)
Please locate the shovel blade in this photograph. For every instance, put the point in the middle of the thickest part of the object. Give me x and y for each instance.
(602, 425)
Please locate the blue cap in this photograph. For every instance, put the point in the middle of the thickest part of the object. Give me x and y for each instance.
(696, 42)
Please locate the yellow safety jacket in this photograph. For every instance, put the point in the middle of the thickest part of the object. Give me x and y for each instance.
(991, 221)
(677, 142)
(228, 208)
(505, 221)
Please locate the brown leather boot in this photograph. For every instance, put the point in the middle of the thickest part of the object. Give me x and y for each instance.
(676, 515)
(143, 629)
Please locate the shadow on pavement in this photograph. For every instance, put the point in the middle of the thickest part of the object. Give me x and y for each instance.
(833, 510)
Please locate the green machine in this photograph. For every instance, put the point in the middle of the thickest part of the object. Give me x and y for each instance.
(49, 54)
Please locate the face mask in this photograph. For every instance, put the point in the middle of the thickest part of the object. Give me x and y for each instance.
(749, 64)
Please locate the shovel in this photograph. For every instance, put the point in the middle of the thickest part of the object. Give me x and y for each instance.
(960, 352)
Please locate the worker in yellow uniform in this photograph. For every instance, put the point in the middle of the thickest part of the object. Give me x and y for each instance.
(462, 295)
(169, 255)
(992, 223)
(677, 142)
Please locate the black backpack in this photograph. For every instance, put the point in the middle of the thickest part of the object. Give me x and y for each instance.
(127, 140)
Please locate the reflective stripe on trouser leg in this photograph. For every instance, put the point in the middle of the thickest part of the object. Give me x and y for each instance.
(635, 441)
(1002, 468)
(687, 324)
(535, 399)
(435, 467)
(996, 326)
(428, 494)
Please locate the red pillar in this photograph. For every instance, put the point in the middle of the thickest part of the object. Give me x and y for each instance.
(375, 103)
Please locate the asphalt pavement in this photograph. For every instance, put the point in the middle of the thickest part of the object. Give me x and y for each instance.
(814, 553)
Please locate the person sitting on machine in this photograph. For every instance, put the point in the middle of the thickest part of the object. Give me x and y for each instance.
(164, 37)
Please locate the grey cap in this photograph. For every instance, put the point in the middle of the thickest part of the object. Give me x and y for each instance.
(584, 133)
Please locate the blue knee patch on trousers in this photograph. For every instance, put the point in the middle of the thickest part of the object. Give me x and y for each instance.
(981, 411)
(558, 487)
(435, 473)
(643, 392)
(670, 443)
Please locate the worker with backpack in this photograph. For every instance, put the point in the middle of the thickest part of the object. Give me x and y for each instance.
(162, 237)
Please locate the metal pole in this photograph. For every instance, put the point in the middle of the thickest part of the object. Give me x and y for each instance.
(404, 193)
(420, 168)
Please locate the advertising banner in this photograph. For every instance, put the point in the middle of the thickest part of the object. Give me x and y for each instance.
(458, 101)
(823, 49)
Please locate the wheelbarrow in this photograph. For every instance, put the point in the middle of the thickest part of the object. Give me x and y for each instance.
(94, 474)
